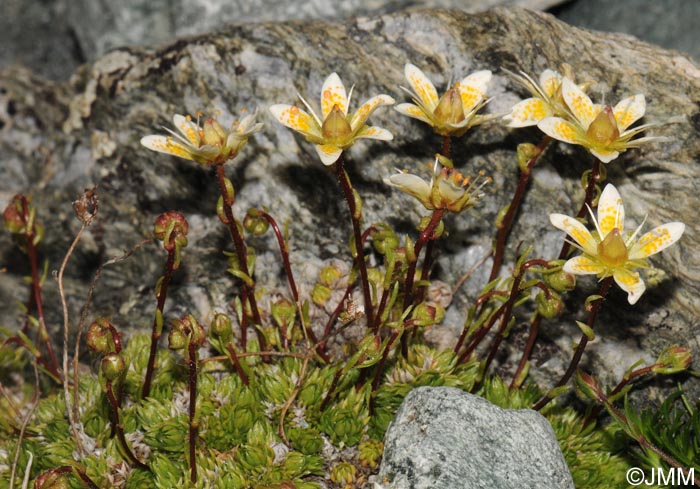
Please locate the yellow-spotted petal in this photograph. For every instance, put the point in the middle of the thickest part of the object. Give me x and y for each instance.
(472, 89)
(582, 265)
(629, 110)
(412, 110)
(576, 230)
(165, 144)
(421, 86)
(560, 129)
(328, 153)
(374, 132)
(188, 129)
(656, 240)
(333, 93)
(411, 184)
(604, 155)
(550, 81)
(630, 282)
(366, 109)
(579, 103)
(294, 118)
(527, 112)
(611, 212)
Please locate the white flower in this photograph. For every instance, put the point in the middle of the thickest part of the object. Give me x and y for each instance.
(603, 130)
(456, 111)
(545, 101)
(337, 130)
(607, 252)
(209, 144)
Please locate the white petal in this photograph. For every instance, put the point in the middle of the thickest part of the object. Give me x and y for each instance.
(412, 110)
(549, 82)
(605, 156)
(165, 144)
(575, 229)
(582, 265)
(374, 132)
(328, 154)
(333, 93)
(611, 211)
(560, 129)
(629, 110)
(188, 128)
(421, 86)
(579, 103)
(360, 117)
(294, 118)
(411, 184)
(527, 112)
(472, 89)
(657, 239)
(630, 282)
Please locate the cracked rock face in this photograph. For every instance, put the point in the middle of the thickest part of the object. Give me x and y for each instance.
(444, 438)
(57, 139)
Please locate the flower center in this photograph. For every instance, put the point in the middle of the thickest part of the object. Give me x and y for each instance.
(604, 129)
(450, 109)
(613, 250)
(213, 133)
(336, 128)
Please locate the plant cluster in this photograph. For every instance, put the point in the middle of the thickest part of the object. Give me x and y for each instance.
(264, 396)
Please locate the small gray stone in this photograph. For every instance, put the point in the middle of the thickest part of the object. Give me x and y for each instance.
(443, 437)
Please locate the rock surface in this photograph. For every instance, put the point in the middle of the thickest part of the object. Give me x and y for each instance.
(56, 139)
(444, 438)
(76, 31)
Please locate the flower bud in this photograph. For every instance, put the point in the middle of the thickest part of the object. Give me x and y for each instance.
(254, 223)
(603, 129)
(336, 128)
(13, 215)
(550, 306)
(186, 331)
(426, 314)
(384, 238)
(86, 206)
(560, 281)
(221, 326)
(171, 228)
(112, 366)
(526, 151)
(450, 109)
(589, 386)
(672, 360)
(99, 336)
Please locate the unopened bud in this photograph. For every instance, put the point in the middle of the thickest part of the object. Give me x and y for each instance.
(171, 228)
(336, 128)
(14, 213)
(86, 206)
(112, 366)
(560, 281)
(99, 337)
(526, 151)
(550, 306)
(450, 109)
(221, 326)
(589, 386)
(254, 223)
(603, 129)
(427, 314)
(185, 331)
(672, 360)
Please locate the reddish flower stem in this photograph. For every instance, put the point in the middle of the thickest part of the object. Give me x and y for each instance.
(346, 185)
(120, 429)
(157, 331)
(241, 251)
(594, 307)
(507, 224)
(193, 428)
(593, 179)
(446, 143)
(237, 364)
(290, 277)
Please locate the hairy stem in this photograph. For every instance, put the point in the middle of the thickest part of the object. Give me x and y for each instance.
(120, 429)
(194, 425)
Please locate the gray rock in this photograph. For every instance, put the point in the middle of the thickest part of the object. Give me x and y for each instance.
(445, 438)
(67, 33)
(57, 139)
